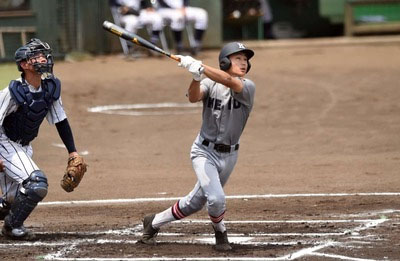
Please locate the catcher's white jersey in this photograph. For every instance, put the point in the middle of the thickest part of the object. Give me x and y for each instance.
(16, 158)
(7, 105)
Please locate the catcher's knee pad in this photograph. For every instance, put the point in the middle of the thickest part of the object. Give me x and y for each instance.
(35, 187)
(32, 191)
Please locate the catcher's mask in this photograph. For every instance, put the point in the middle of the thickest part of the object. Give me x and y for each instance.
(231, 48)
(31, 49)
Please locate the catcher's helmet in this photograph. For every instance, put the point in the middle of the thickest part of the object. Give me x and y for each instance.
(32, 48)
(229, 49)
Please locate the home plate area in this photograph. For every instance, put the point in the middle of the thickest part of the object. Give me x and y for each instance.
(337, 237)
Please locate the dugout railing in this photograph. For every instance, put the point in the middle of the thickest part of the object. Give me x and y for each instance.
(371, 16)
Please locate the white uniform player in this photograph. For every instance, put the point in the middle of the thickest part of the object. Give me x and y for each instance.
(23, 107)
(136, 14)
(177, 13)
(227, 102)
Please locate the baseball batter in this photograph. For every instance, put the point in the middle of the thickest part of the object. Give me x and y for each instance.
(23, 107)
(177, 13)
(227, 102)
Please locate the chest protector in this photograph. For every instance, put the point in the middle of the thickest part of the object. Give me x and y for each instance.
(23, 125)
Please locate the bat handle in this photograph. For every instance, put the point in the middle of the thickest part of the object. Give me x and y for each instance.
(176, 58)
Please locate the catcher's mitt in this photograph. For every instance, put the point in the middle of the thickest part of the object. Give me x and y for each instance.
(76, 168)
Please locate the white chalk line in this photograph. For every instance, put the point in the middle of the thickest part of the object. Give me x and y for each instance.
(340, 257)
(137, 109)
(141, 200)
(366, 223)
(72, 246)
(354, 232)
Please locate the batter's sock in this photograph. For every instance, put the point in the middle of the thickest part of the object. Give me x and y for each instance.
(218, 222)
(219, 226)
(163, 218)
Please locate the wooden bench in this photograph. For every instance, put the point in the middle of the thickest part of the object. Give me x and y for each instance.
(22, 30)
(351, 27)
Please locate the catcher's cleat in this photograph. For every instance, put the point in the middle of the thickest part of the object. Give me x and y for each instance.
(221, 241)
(149, 233)
(17, 233)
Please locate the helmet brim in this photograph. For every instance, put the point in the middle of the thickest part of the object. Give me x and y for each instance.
(249, 53)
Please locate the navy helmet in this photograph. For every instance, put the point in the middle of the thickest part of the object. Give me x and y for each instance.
(31, 49)
(231, 48)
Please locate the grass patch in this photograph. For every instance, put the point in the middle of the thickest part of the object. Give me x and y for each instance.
(8, 72)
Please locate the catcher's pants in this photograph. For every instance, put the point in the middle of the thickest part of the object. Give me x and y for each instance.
(212, 170)
(18, 164)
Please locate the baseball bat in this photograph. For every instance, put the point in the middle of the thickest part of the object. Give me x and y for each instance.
(136, 39)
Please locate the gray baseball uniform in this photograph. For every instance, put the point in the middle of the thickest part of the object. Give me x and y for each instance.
(215, 150)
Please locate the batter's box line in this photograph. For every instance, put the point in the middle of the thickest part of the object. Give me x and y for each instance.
(71, 246)
(143, 200)
(292, 256)
(136, 230)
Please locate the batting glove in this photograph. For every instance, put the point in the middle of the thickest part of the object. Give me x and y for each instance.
(186, 61)
(197, 69)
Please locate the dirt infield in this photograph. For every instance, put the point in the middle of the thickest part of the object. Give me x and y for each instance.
(317, 176)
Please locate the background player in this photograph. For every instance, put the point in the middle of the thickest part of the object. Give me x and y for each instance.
(177, 13)
(227, 102)
(135, 14)
(23, 107)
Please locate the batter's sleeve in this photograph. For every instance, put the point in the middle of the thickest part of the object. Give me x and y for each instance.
(246, 96)
(56, 112)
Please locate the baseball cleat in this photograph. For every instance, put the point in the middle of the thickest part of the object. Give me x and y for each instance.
(221, 241)
(18, 233)
(149, 233)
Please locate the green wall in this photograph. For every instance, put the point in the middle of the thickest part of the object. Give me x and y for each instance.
(213, 35)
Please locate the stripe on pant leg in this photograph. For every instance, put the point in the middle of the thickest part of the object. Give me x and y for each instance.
(176, 211)
(217, 219)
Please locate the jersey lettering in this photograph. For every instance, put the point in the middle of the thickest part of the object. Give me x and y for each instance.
(216, 104)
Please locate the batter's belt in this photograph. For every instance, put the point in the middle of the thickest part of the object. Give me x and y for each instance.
(222, 148)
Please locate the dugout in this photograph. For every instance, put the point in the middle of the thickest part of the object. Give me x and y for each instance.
(362, 17)
(76, 25)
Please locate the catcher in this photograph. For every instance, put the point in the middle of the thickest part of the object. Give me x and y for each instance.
(23, 107)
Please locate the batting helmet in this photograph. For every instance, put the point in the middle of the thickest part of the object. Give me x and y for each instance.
(229, 49)
(32, 48)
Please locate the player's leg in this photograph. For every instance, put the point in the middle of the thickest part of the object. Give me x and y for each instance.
(23, 186)
(199, 17)
(154, 20)
(5, 187)
(212, 175)
(176, 20)
(221, 237)
(131, 22)
(188, 205)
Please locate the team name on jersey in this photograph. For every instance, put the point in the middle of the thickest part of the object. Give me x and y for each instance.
(216, 104)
